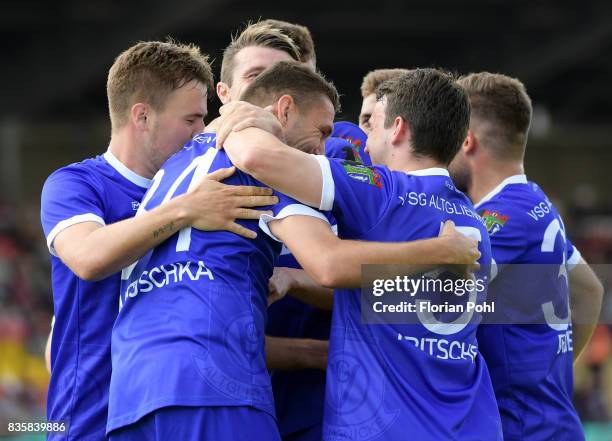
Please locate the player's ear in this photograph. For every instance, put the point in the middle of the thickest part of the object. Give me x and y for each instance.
(223, 92)
(284, 106)
(401, 130)
(470, 143)
(139, 114)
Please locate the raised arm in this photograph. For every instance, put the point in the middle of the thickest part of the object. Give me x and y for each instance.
(267, 159)
(586, 295)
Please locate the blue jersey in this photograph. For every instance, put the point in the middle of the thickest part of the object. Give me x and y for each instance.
(390, 380)
(190, 331)
(299, 394)
(530, 365)
(98, 190)
(356, 137)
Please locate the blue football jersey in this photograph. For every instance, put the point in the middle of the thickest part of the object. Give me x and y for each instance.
(403, 381)
(530, 364)
(190, 331)
(353, 134)
(299, 394)
(98, 190)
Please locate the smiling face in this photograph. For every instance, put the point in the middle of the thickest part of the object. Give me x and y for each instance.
(250, 62)
(180, 119)
(309, 125)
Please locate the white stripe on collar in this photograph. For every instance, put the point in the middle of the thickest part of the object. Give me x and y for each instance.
(516, 179)
(126, 172)
(433, 171)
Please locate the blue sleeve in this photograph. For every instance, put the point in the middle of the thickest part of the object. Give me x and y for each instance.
(357, 195)
(506, 231)
(351, 132)
(69, 197)
(288, 207)
(339, 148)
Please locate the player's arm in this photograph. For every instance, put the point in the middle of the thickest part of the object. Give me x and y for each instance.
(48, 351)
(586, 295)
(336, 263)
(298, 284)
(94, 251)
(296, 353)
(266, 158)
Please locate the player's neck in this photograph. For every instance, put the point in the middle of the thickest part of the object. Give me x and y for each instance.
(409, 163)
(486, 178)
(125, 148)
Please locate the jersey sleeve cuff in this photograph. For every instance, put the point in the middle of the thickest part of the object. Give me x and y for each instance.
(574, 259)
(289, 210)
(328, 188)
(61, 226)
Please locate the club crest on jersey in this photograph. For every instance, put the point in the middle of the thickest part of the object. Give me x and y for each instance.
(494, 221)
(352, 153)
(362, 173)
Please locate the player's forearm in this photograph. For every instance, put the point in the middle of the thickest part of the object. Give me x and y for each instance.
(586, 295)
(109, 249)
(306, 289)
(296, 353)
(267, 159)
(346, 259)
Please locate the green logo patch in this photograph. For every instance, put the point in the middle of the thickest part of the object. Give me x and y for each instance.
(494, 221)
(362, 173)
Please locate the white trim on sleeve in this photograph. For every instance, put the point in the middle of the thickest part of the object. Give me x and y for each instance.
(61, 226)
(328, 188)
(289, 210)
(574, 259)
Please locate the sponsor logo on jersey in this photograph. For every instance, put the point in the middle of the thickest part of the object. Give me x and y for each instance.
(362, 173)
(494, 221)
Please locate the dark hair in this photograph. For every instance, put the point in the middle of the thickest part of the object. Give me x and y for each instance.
(503, 102)
(300, 35)
(257, 34)
(434, 106)
(149, 71)
(290, 78)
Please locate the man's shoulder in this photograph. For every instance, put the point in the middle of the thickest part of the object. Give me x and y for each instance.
(89, 172)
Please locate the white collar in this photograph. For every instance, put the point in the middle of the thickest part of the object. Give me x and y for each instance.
(516, 179)
(433, 171)
(126, 172)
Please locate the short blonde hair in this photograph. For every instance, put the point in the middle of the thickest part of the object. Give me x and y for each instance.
(149, 72)
(503, 103)
(300, 35)
(376, 77)
(257, 34)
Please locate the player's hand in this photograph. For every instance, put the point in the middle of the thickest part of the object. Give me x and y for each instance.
(463, 251)
(279, 284)
(240, 115)
(212, 205)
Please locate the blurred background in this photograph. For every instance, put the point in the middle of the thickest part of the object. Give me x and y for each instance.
(54, 112)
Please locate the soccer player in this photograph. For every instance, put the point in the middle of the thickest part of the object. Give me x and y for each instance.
(298, 325)
(530, 364)
(157, 98)
(370, 83)
(187, 347)
(386, 380)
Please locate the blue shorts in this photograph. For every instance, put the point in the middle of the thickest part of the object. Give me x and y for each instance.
(198, 423)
